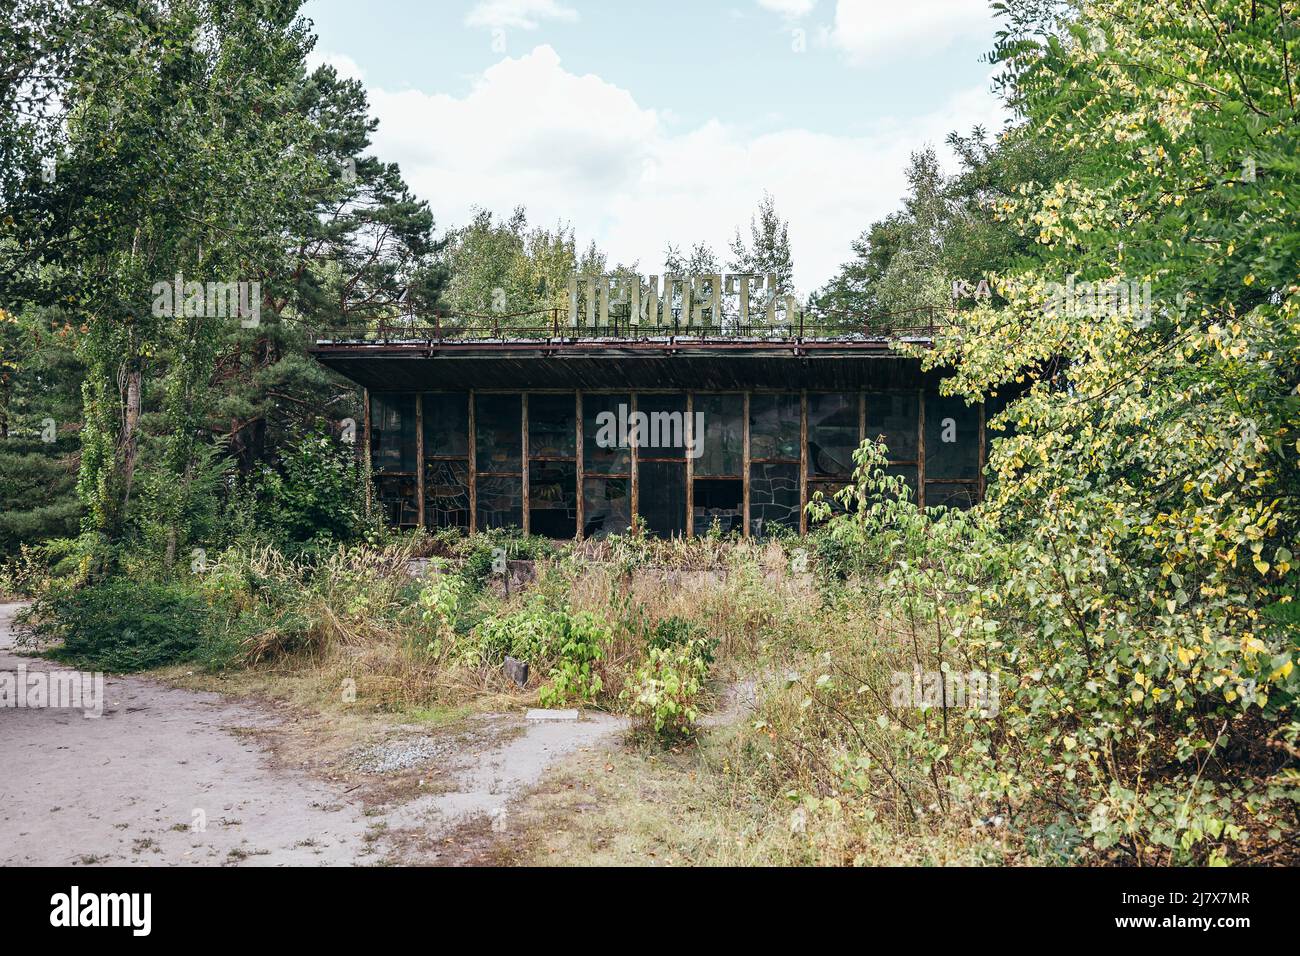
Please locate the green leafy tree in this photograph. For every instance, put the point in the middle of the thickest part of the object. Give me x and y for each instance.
(40, 418)
(1148, 493)
(768, 250)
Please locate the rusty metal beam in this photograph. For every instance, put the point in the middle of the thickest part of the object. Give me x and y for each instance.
(523, 460)
(803, 462)
(920, 448)
(473, 465)
(746, 463)
(365, 448)
(635, 465)
(690, 465)
(578, 465)
(419, 457)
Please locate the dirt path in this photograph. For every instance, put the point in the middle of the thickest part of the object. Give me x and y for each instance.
(173, 776)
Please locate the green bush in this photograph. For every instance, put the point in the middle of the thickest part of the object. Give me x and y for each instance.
(566, 645)
(127, 625)
(316, 493)
(481, 553)
(662, 693)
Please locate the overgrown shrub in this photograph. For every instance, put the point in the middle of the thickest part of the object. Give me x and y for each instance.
(663, 693)
(315, 494)
(482, 555)
(126, 625)
(1125, 727)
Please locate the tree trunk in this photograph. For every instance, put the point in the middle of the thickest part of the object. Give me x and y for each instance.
(129, 441)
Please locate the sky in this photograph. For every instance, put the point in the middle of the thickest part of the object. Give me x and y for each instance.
(641, 124)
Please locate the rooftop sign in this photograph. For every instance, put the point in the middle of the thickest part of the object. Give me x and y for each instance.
(695, 300)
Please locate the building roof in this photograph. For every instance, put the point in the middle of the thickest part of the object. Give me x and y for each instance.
(405, 356)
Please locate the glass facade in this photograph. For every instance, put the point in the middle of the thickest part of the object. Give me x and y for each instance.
(445, 421)
(719, 462)
(953, 451)
(393, 458)
(561, 464)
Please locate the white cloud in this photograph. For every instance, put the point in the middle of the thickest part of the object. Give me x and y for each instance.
(864, 31)
(519, 14)
(794, 9)
(581, 150)
(344, 65)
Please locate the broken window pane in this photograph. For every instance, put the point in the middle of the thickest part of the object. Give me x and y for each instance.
(721, 500)
(832, 434)
(396, 498)
(498, 434)
(662, 497)
(446, 424)
(392, 433)
(829, 490)
(774, 426)
(500, 502)
(604, 450)
(723, 420)
(606, 506)
(773, 496)
(446, 494)
(551, 430)
(951, 438)
(894, 419)
(552, 498)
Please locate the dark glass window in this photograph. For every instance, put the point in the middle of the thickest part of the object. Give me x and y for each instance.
(392, 433)
(832, 434)
(662, 497)
(606, 505)
(951, 494)
(907, 473)
(397, 499)
(774, 427)
(498, 434)
(664, 429)
(552, 497)
(721, 500)
(551, 431)
(952, 439)
(446, 494)
(722, 452)
(446, 425)
(773, 496)
(500, 501)
(996, 405)
(604, 447)
(829, 490)
(895, 420)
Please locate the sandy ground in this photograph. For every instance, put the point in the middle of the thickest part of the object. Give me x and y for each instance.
(169, 776)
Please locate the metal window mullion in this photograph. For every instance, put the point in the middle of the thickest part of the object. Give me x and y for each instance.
(635, 468)
(419, 458)
(579, 464)
(803, 461)
(523, 425)
(473, 465)
(745, 462)
(690, 465)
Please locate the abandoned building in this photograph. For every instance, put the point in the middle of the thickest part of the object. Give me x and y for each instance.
(483, 423)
